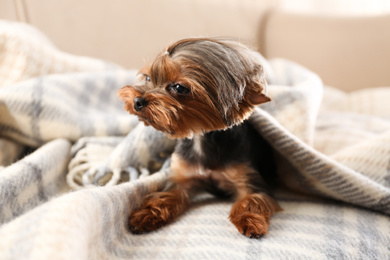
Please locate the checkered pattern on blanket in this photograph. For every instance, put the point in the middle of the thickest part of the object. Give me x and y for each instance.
(330, 145)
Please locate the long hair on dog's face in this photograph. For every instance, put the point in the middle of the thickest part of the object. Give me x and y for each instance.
(195, 86)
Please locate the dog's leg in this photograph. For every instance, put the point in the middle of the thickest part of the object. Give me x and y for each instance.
(161, 208)
(254, 206)
(251, 214)
(158, 209)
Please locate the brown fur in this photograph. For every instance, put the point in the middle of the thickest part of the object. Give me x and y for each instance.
(251, 214)
(159, 208)
(225, 82)
(207, 109)
(251, 211)
(232, 178)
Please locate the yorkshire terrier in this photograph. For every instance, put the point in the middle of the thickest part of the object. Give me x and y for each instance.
(201, 91)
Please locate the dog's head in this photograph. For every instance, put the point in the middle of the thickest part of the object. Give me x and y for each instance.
(197, 85)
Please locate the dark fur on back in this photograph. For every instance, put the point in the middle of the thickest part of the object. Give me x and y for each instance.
(236, 145)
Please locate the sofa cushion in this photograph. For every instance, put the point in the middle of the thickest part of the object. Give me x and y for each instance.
(347, 52)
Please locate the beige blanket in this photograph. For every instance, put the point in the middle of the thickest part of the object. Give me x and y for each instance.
(62, 128)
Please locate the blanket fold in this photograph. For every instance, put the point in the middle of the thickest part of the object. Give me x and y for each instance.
(34, 179)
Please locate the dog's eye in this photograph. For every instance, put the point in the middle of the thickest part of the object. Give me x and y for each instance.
(181, 89)
(147, 78)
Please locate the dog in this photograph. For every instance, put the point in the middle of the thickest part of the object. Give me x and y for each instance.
(201, 91)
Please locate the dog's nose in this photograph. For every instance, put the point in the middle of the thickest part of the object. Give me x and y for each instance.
(139, 103)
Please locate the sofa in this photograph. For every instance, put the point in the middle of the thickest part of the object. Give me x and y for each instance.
(75, 165)
(340, 49)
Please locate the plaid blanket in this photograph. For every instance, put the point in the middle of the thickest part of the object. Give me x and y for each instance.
(74, 165)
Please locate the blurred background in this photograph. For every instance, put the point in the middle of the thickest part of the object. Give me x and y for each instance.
(341, 40)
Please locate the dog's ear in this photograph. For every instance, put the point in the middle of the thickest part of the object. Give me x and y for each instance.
(255, 93)
(257, 98)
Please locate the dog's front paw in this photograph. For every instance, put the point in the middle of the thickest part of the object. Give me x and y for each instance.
(158, 209)
(146, 219)
(251, 214)
(250, 224)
